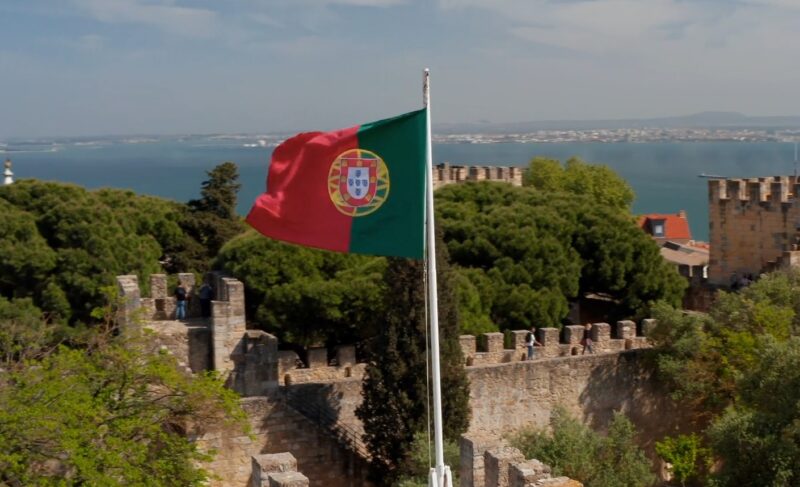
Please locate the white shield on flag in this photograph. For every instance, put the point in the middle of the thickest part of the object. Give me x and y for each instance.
(357, 181)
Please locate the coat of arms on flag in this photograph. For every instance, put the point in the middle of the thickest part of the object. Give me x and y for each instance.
(358, 182)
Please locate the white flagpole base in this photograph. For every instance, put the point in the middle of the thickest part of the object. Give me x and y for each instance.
(445, 481)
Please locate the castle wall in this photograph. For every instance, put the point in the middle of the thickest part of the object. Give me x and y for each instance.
(752, 223)
(444, 174)
(308, 408)
(277, 428)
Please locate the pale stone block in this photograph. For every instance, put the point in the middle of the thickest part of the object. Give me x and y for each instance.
(471, 464)
(548, 337)
(526, 473)
(494, 342)
(601, 334)
(263, 466)
(496, 464)
(468, 345)
(625, 329)
(158, 286)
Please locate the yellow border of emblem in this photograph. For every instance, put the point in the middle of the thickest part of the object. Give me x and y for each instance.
(381, 191)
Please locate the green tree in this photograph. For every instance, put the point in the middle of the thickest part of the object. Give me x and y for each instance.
(539, 251)
(572, 449)
(68, 243)
(395, 392)
(737, 368)
(212, 220)
(758, 438)
(113, 412)
(307, 296)
(596, 181)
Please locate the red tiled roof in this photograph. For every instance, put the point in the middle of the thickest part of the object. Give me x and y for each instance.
(675, 226)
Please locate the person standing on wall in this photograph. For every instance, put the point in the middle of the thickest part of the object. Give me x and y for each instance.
(181, 297)
(587, 339)
(531, 341)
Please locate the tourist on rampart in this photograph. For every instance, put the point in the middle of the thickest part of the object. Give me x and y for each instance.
(205, 295)
(531, 342)
(181, 297)
(587, 339)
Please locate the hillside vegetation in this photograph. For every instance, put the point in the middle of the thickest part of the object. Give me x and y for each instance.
(62, 243)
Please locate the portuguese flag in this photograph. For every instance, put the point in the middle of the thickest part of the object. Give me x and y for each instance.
(359, 190)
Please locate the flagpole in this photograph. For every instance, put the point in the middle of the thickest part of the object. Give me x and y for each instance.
(438, 473)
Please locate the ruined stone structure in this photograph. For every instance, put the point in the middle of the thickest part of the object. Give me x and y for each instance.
(276, 470)
(446, 174)
(305, 404)
(489, 462)
(753, 226)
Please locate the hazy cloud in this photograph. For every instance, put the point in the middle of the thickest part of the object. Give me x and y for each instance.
(165, 15)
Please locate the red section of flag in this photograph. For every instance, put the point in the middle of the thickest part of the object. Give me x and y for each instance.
(297, 206)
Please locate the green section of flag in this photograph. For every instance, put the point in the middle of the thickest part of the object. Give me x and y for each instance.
(398, 226)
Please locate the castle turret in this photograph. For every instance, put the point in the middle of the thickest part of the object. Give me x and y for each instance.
(8, 175)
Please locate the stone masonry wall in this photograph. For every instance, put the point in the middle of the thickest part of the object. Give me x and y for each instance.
(492, 463)
(303, 406)
(277, 428)
(752, 224)
(200, 344)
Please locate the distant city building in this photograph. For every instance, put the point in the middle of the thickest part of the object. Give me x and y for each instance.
(754, 225)
(8, 176)
(667, 227)
(446, 174)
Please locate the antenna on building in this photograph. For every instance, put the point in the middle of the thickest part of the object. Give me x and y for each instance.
(795, 160)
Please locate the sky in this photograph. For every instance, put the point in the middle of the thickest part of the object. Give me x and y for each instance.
(95, 67)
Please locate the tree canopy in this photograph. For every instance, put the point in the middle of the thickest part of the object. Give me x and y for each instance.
(106, 410)
(598, 182)
(307, 296)
(530, 253)
(62, 243)
(737, 369)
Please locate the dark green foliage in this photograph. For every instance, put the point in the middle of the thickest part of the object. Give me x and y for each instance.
(395, 395)
(598, 182)
(574, 450)
(62, 244)
(212, 219)
(307, 296)
(67, 243)
(534, 252)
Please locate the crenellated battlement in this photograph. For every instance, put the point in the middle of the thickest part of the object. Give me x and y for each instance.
(211, 343)
(753, 223)
(490, 348)
(444, 174)
(774, 190)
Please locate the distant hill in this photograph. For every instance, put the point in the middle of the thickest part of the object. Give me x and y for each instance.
(697, 120)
